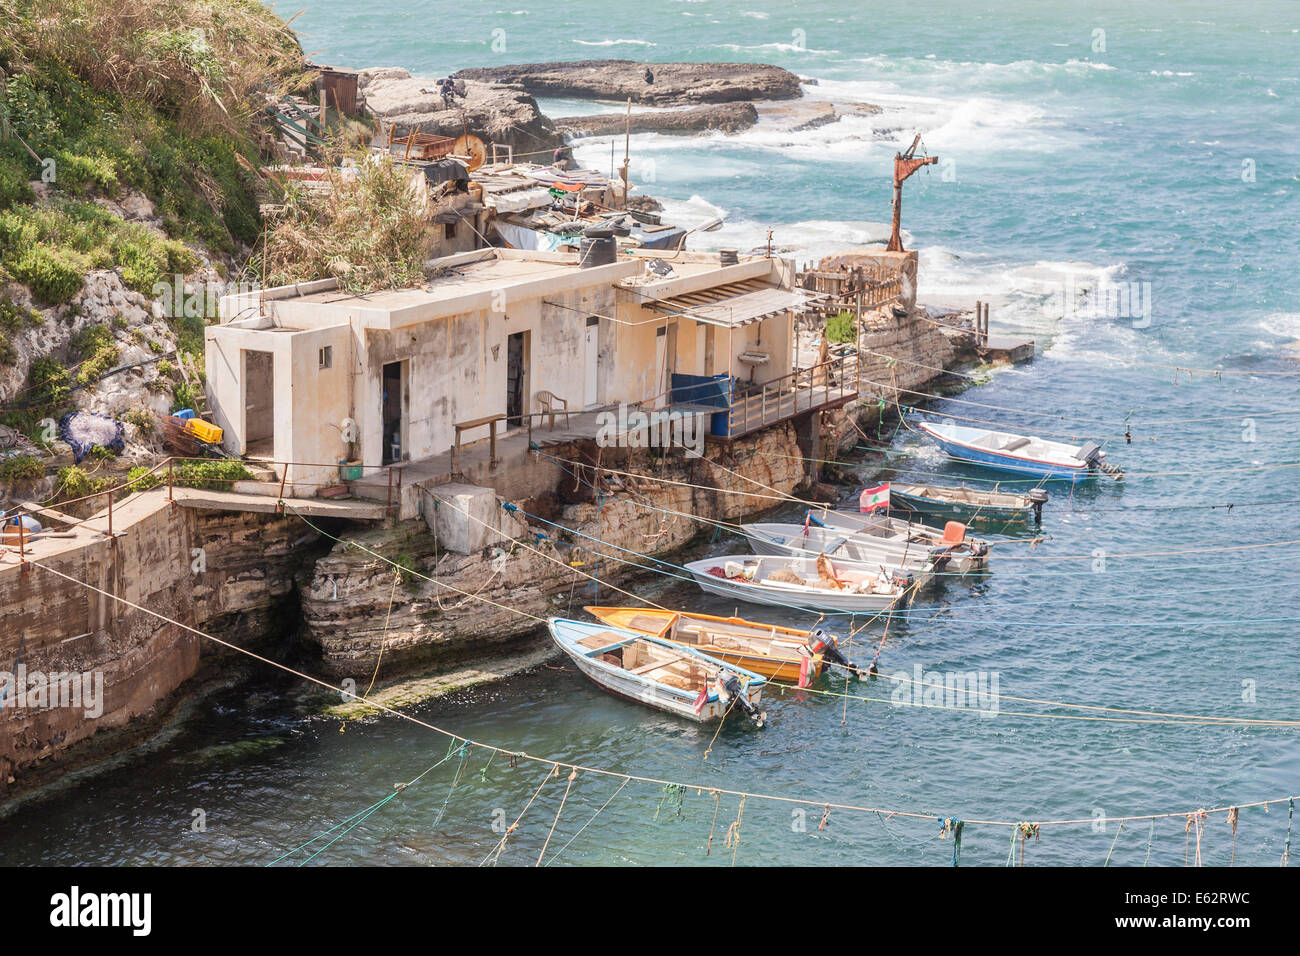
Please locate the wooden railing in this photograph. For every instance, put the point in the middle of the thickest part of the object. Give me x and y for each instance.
(806, 390)
(865, 287)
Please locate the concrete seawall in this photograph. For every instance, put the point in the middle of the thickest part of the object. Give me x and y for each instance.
(226, 573)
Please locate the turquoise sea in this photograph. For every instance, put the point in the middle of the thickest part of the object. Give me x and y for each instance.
(1151, 146)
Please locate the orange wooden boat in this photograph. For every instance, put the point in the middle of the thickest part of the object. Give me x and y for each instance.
(779, 653)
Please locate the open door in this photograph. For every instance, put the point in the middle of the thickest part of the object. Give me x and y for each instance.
(516, 378)
(259, 404)
(394, 412)
(591, 362)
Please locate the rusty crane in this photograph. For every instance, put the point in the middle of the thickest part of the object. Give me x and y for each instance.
(905, 164)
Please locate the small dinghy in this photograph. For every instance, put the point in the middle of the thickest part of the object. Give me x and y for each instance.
(778, 653)
(807, 583)
(653, 671)
(1022, 454)
(967, 504)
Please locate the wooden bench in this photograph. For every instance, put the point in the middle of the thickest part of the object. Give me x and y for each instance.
(491, 422)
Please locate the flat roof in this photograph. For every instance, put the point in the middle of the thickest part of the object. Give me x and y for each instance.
(465, 282)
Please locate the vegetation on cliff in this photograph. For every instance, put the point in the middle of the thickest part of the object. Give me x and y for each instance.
(154, 96)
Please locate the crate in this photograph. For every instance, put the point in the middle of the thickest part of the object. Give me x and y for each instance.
(204, 431)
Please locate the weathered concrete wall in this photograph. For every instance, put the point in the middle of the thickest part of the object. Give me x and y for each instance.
(898, 356)
(242, 573)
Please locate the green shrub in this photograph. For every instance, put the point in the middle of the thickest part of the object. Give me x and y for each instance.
(840, 328)
(99, 352)
(20, 468)
(49, 273)
(185, 395)
(44, 396)
(217, 475)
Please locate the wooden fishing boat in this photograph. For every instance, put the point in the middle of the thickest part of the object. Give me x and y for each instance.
(1022, 454)
(806, 583)
(967, 504)
(914, 565)
(778, 653)
(659, 673)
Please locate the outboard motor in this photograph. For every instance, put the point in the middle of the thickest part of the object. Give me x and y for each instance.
(1037, 498)
(1090, 453)
(822, 641)
(904, 579)
(729, 689)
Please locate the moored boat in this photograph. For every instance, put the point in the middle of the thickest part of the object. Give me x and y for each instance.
(1022, 454)
(778, 653)
(813, 583)
(967, 504)
(659, 673)
(912, 565)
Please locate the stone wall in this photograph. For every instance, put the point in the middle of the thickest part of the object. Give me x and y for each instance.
(231, 588)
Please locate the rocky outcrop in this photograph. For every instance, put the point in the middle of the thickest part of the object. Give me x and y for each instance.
(803, 115)
(495, 114)
(484, 602)
(674, 84)
(725, 117)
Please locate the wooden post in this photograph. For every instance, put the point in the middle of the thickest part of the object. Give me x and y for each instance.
(110, 512)
(492, 445)
(170, 463)
(284, 477)
(22, 550)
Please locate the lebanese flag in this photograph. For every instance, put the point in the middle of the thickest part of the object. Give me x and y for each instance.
(874, 498)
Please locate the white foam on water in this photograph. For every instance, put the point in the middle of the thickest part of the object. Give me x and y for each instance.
(618, 42)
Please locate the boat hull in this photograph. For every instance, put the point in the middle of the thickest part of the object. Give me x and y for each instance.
(640, 689)
(975, 455)
(965, 512)
(792, 596)
(784, 668)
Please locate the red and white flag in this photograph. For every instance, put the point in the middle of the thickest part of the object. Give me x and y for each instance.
(874, 498)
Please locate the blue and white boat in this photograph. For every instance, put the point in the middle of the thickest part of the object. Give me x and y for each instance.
(1023, 454)
(659, 673)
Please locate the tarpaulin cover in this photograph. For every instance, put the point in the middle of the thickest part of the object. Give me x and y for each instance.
(84, 430)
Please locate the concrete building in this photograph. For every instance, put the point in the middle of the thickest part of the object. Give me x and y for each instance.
(312, 375)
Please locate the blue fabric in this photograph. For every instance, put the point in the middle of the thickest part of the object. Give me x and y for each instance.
(84, 431)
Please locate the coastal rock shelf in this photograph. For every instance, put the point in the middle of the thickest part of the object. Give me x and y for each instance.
(675, 84)
(500, 114)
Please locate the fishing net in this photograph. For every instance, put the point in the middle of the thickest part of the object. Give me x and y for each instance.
(84, 430)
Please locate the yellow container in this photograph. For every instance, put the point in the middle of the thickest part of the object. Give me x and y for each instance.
(204, 431)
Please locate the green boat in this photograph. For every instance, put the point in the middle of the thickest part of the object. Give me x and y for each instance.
(967, 504)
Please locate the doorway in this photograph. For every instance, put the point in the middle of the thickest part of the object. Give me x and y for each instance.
(516, 378)
(259, 404)
(591, 363)
(393, 412)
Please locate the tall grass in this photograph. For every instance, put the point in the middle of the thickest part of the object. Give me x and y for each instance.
(204, 63)
(367, 229)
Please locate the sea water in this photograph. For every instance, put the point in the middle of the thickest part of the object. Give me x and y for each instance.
(1153, 148)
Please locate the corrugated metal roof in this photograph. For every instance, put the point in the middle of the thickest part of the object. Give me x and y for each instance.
(736, 304)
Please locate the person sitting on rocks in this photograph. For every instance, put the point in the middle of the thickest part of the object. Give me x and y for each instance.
(564, 157)
(448, 93)
(649, 77)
